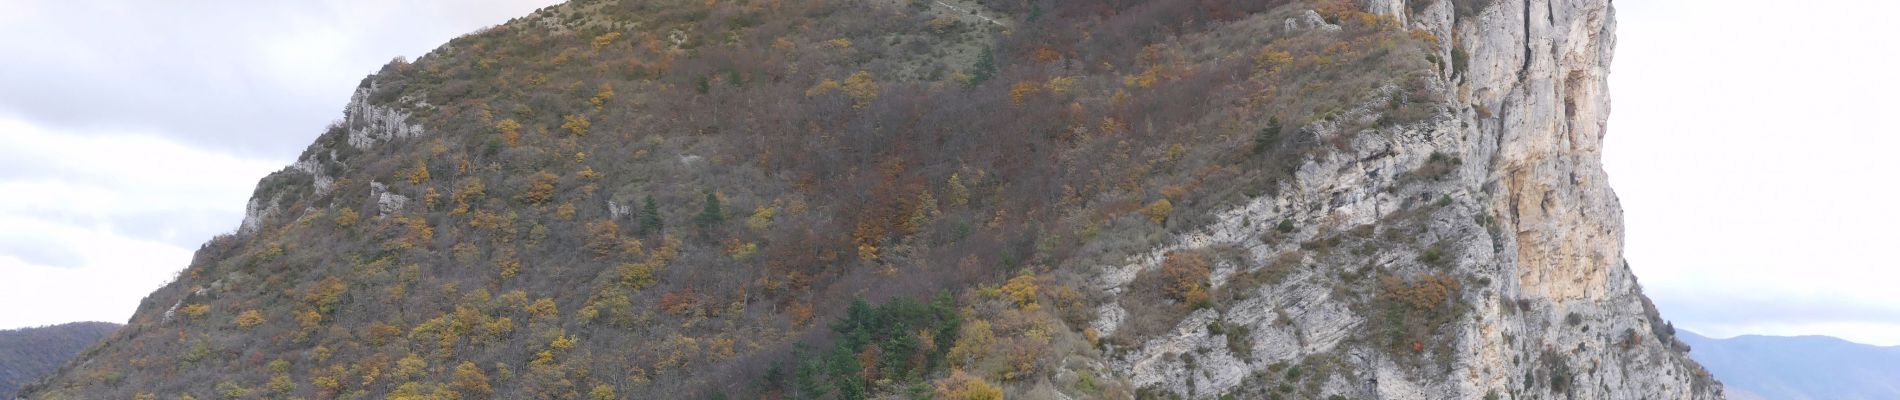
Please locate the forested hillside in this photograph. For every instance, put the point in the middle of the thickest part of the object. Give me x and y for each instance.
(27, 354)
(819, 199)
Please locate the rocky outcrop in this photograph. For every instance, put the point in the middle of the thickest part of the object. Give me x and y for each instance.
(372, 123)
(1391, 8)
(619, 211)
(320, 178)
(1309, 20)
(1517, 200)
(364, 125)
(254, 212)
(387, 203)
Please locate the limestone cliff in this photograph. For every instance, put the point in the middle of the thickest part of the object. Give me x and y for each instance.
(1505, 188)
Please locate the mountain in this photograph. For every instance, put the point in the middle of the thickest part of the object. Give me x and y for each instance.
(1800, 367)
(815, 199)
(30, 353)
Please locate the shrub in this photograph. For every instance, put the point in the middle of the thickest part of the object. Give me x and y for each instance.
(603, 238)
(1240, 341)
(1434, 257)
(1460, 61)
(602, 392)
(1415, 310)
(1559, 371)
(346, 218)
(761, 218)
(1186, 277)
(576, 123)
(1437, 167)
(539, 188)
(954, 191)
(1158, 211)
(963, 386)
(232, 390)
(195, 311)
(1022, 290)
(249, 319)
(1468, 8)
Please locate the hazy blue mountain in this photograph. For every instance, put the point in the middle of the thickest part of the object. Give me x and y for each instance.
(1799, 367)
(29, 353)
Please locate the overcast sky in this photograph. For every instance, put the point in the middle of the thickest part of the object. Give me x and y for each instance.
(131, 131)
(1751, 143)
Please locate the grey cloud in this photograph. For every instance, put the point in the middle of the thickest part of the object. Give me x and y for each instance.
(1759, 309)
(253, 78)
(97, 66)
(186, 229)
(42, 251)
(257, 80)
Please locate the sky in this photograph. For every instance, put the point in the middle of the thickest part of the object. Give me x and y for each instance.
(1748, 143)
(1752, 145)
(132, 131)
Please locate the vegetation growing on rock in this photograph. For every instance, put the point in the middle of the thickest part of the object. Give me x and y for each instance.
(930, 196)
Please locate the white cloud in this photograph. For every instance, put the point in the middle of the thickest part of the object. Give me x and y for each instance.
(117, 272)
(75, 236)
(133, 131)
(257, 78)
(1751, 145)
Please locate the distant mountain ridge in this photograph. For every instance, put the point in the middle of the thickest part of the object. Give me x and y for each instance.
(30, 353)
(1799, 367)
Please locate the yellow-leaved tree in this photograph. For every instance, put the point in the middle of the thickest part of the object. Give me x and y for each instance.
(510, 130)
(963, 386)
(1158, 211)
(471, 381)
(577, 124)
(862, 89)
(249, 319)
(601, 96)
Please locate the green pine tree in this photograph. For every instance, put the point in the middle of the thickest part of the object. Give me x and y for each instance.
(1268, 136)
(985, 68)
(807, 382)
(711, 215)
(898, 349)
(842, 366)
(650, 217)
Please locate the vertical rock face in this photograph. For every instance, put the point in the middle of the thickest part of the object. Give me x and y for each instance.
(1547, 87)
(1523, 214)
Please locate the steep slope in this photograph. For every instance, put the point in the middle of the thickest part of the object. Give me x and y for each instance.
(27, 354)
(872, 198)
(1801, 367)
(1499, 203)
